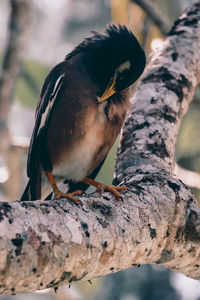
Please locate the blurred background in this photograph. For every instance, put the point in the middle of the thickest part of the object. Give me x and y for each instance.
(34, 36)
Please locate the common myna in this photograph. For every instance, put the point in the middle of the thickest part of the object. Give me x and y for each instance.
(81, 109)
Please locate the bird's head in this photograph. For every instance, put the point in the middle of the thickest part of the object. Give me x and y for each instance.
(114, 59)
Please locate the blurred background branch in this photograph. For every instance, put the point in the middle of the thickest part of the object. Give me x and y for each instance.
(13, 56)
(11, 64)
(155, 15)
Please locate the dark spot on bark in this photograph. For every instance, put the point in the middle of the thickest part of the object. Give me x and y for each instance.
(189, 202)
(85, 229)
(12, 290)
(149, 253)
(158, 148)
(191, 230)
(166, 256)
(174, 56)
(105, 244)
(136, 265)
(160, 75)
(10, 221)
(18, 243)
(153, 100)
(27, 205)
(88, 245)
(184, 22)
(5, 208)
(84, 225)
(179, 232)
(67, 255)
(18, 261)
(195, 11)
(43, 243)
(41, 283)
(74, 278)
(192, 249)
(197, 266)
(168, 114)
(105, 210)
(111, 269)
(151, 134)
(65, 276)
(34, 270)
(167, 233)
(140, 126)
(102, 222)
(173, 84)
(106, 198)
(163, 112)
(191, 22)
(53, 237)
(87, 234)
(174, 186)
(152, 232)
(175, 32)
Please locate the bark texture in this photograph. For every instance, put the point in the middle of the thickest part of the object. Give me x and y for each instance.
(49, 243)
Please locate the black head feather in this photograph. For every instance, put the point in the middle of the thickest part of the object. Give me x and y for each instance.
(102, 54)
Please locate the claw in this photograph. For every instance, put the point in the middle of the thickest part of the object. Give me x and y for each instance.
(70, 196)
(100, 187)
(58, 194)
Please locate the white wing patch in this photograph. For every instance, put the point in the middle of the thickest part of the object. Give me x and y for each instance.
(125, 66)
(57, 87)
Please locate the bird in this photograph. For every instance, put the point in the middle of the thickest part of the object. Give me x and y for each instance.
(80, 112)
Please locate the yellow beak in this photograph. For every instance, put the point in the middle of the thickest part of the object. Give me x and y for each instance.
(109, 91)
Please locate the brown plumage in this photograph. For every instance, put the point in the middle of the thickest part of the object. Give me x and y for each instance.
(80, 112)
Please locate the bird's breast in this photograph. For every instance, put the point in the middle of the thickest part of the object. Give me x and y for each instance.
(76, 164)
(78, 157)
(88, 141)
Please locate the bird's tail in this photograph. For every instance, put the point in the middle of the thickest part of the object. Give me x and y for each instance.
(26, 196)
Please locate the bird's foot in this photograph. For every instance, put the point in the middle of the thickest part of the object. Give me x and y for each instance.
(100, 187)
(70, 196)
(112, 189)
(58, 194)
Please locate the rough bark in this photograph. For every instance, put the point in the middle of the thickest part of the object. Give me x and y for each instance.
(49, 243)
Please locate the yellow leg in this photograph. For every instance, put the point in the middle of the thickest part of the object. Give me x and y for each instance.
(58, 194)
(100, 187)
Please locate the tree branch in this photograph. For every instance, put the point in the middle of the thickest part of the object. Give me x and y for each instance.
(49, 243)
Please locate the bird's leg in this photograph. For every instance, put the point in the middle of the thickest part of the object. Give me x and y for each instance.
(58, 194)
(100, 187)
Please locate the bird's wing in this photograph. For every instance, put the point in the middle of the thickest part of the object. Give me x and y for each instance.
(47, 98)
